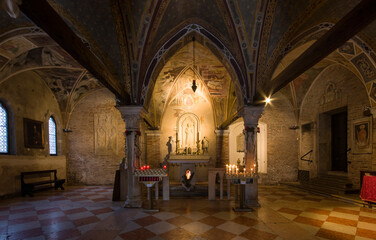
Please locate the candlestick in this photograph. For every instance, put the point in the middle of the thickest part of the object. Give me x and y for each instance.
(251, 170)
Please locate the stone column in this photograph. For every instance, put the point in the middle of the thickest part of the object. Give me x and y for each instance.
(222, 148)
(251, 115)
(132, 117)
(153, 151)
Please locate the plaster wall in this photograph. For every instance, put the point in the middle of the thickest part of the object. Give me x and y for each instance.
(27, 96)
(12, 166)
(352, 95)
(282, 142)
(235, 130)
(96, 143)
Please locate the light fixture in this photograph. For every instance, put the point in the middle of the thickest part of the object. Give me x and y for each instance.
(194, 86)
(267, 100)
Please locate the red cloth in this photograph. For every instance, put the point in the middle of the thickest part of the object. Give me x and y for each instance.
(368, 192)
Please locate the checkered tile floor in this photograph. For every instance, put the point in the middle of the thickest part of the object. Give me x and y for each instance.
(89, 213)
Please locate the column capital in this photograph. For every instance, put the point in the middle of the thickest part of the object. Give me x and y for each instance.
(153, 132)
(131, 115)
(251, 114)
(221, 132)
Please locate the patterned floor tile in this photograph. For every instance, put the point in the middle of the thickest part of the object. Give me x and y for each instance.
(160, 227)
(197, 228)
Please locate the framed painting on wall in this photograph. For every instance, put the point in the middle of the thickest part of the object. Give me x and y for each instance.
(361, 135)
(33, 133)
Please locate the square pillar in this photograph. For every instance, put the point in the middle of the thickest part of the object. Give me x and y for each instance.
(153, 150)
(222, 148)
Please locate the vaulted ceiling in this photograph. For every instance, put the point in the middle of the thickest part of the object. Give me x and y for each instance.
(124, 45)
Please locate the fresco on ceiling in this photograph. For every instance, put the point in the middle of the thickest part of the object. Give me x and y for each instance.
(286, 13)
(329, 11)
(372, 93)
(35, 58)
(347, 48)
(179, 10)
(86, 84)
(232, 101)
(7, 23)
(365, 67)
(41, 40)
(304, 81)
(60, 81)
(14, 47)
(97, 20)
(3, 60)
(248, 9)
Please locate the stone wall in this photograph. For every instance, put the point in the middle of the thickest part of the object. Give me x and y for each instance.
(336, 88)
(96, 143)
(282, 144)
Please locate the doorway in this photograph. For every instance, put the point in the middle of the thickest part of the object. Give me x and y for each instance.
(339, 141)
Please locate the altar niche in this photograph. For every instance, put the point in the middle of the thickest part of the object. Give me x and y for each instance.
(188, 135)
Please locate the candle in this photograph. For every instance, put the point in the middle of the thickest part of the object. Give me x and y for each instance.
(229, 170)
(251, 170)
(226, 168)
(165, 167)
(148, 167)
(237, 170)
(244, 171)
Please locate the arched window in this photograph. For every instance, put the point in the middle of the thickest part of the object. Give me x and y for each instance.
(52, 136)
(4, 148)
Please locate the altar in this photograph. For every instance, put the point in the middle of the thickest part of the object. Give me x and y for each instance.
(197, 164)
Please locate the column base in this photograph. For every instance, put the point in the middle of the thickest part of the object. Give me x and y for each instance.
(133, 203)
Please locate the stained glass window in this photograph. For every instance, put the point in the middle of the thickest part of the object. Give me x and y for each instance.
(3, 130)
(52, 135)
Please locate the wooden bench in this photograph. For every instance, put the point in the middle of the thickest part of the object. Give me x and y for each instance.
(36, 180)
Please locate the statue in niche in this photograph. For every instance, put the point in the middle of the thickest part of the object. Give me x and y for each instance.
(189, 135)
(205, 145)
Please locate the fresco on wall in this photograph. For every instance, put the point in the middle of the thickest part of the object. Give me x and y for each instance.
(365, 67)
(14, 47)
(173, 85)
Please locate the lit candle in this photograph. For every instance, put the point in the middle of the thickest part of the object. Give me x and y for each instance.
(165, 167)
(229, 170)
(237, 169)
(148, 167)
(226, 168)
(251, 170)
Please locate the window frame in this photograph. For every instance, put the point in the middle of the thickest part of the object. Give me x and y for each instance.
(3, 106)
(49, 135)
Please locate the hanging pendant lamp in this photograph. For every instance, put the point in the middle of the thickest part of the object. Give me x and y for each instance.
(194, 86)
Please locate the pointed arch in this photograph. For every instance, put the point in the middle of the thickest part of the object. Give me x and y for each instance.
(207, 39)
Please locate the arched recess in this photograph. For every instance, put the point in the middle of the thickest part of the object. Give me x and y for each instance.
(178, 41)
(335, 90)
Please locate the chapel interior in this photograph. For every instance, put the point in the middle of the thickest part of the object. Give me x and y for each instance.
(256, 114)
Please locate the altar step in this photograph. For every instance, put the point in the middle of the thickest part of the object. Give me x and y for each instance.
(327, 184)
(200, 190)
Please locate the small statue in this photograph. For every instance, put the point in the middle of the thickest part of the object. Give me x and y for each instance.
(205, 145)
(169, 150)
